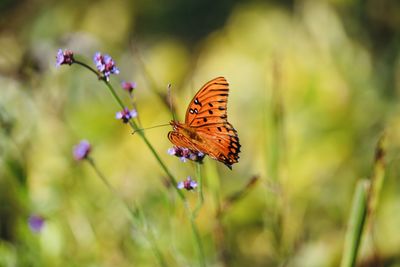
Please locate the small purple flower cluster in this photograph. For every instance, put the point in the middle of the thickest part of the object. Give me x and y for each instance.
(105, 64)
(188, 184)
(185, 153)
(125, 115)
(64, 57)
(81, 151)
(36, 223)
(128, 86)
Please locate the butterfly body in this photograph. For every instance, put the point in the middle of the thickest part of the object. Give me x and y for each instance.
(186, 131)
(206, 128)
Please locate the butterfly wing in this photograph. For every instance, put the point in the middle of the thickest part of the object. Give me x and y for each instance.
(209, 105)
(181, 140)
(207, 115)
(221, 142)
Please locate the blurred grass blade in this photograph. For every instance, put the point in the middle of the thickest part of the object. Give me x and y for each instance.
(377, 178)
(356, 224)
(236, 196)
(274, 125)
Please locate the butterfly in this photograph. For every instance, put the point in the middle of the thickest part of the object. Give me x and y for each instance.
(206, 128)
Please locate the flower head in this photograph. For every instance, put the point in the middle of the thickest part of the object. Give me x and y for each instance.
(185, 153)
(128, 86)
(81, 150)
(64, 57)
(188, 184)
(105, 64)
(125, 115)
(36, 223)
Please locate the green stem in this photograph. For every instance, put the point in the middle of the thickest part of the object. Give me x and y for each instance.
(88, 67)
(104, 179)
(196, 235)
(356, 224)
(200, 199)
(149, 145)
(116, 97)
(135, 107)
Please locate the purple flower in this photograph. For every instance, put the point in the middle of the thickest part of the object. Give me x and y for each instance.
(105, 64)
(36, 223)
(126, 115)
(64, 57)
(128, 86)
(185, 153)
(188, 184)
(171, 151)
(81, 150)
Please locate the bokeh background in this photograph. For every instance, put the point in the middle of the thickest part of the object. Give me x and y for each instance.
(313, 85)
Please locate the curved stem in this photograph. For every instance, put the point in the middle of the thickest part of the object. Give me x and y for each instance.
(116, 97)
(134, 126)
(88, 67)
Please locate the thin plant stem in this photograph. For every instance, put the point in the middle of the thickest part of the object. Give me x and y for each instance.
(194, 214)
(200, 199)
(134, 126)
(275, 149)
(196, 235)
(274, 116)
(135, 107)
(213, 184)
(134, 214)
(88, 67)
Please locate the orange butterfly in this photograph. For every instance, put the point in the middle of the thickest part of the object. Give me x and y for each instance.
(206, 128)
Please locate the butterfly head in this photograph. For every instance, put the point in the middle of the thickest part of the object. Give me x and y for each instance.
(174, 125)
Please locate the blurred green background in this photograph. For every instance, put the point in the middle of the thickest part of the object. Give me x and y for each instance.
(313, 85)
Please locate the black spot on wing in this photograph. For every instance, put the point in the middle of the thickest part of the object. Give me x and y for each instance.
(197, 102)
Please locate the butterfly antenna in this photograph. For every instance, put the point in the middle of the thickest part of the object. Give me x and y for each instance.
(170, 101)
(152, 127)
